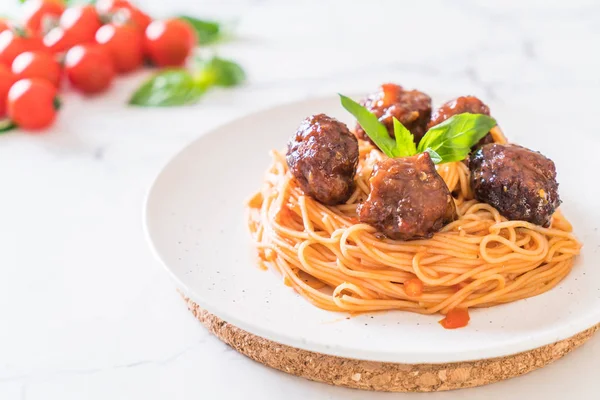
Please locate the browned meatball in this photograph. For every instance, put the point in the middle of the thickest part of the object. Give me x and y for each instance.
(410, 107)
(519, 183)
(463, 104)
(408, 199)
(322, 156)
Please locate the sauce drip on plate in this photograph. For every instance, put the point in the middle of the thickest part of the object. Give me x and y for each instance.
(456, 318)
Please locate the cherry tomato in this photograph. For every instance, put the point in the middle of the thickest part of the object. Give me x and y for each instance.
(107, 6)
(40, 14)
(31, 103)
(58, 40)
(89, 68)
(132, 16)
(122, 11)
(170, 42)
(7, 78)
(124, 43)
(37, 64)
(80, 23)
(4, 25)
(13, 43)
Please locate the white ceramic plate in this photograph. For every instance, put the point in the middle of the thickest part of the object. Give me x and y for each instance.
(195, 223)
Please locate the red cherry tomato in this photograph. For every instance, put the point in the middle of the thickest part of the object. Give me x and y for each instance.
(170, 42)
(31, 103)
(58, 40)
(13, 43)
(37, 64)
(7, 78)
(124, 43)
(40, 14)
(4, 25)
(89, 68)
(107, 6)
(132, 16)
(122, 11)
(80, 23)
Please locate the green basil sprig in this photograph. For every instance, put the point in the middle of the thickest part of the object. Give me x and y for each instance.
(218, 72)
(207, 31)
(371, 125)
(173, 87)
(405, 141)
(177, 87)
(435, 157)
(452, 139)
(446, 142)
(6, 125)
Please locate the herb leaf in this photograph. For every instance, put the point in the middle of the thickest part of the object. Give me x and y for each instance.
(176, 87)
(207, 31)
(452, 139)
(218, 71)
(6, 125)
(405, 141)
(173, 87)
(371, 125)
(446, 142)
(435, 157)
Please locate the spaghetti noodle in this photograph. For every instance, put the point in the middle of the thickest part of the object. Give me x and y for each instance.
(479, 260)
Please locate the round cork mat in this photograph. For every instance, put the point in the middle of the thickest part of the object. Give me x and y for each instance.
(380, 376)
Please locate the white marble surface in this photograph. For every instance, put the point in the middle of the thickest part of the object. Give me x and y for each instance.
(85, 310)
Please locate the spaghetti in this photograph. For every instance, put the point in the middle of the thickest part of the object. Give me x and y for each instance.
(479, 260)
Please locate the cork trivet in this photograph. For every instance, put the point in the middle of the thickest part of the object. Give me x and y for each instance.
(381, 376)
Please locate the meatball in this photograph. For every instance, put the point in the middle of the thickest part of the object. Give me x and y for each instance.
(519, 183)
(322, 156)
(411, 107)
(463, 104)
(408, 199)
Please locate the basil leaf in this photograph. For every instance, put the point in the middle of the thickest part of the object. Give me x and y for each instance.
(207, 31)
(218, 72)
(174, 87)
(452, 139)
(405, 141)
(6, 125)
(435, 157)
(376, 131)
